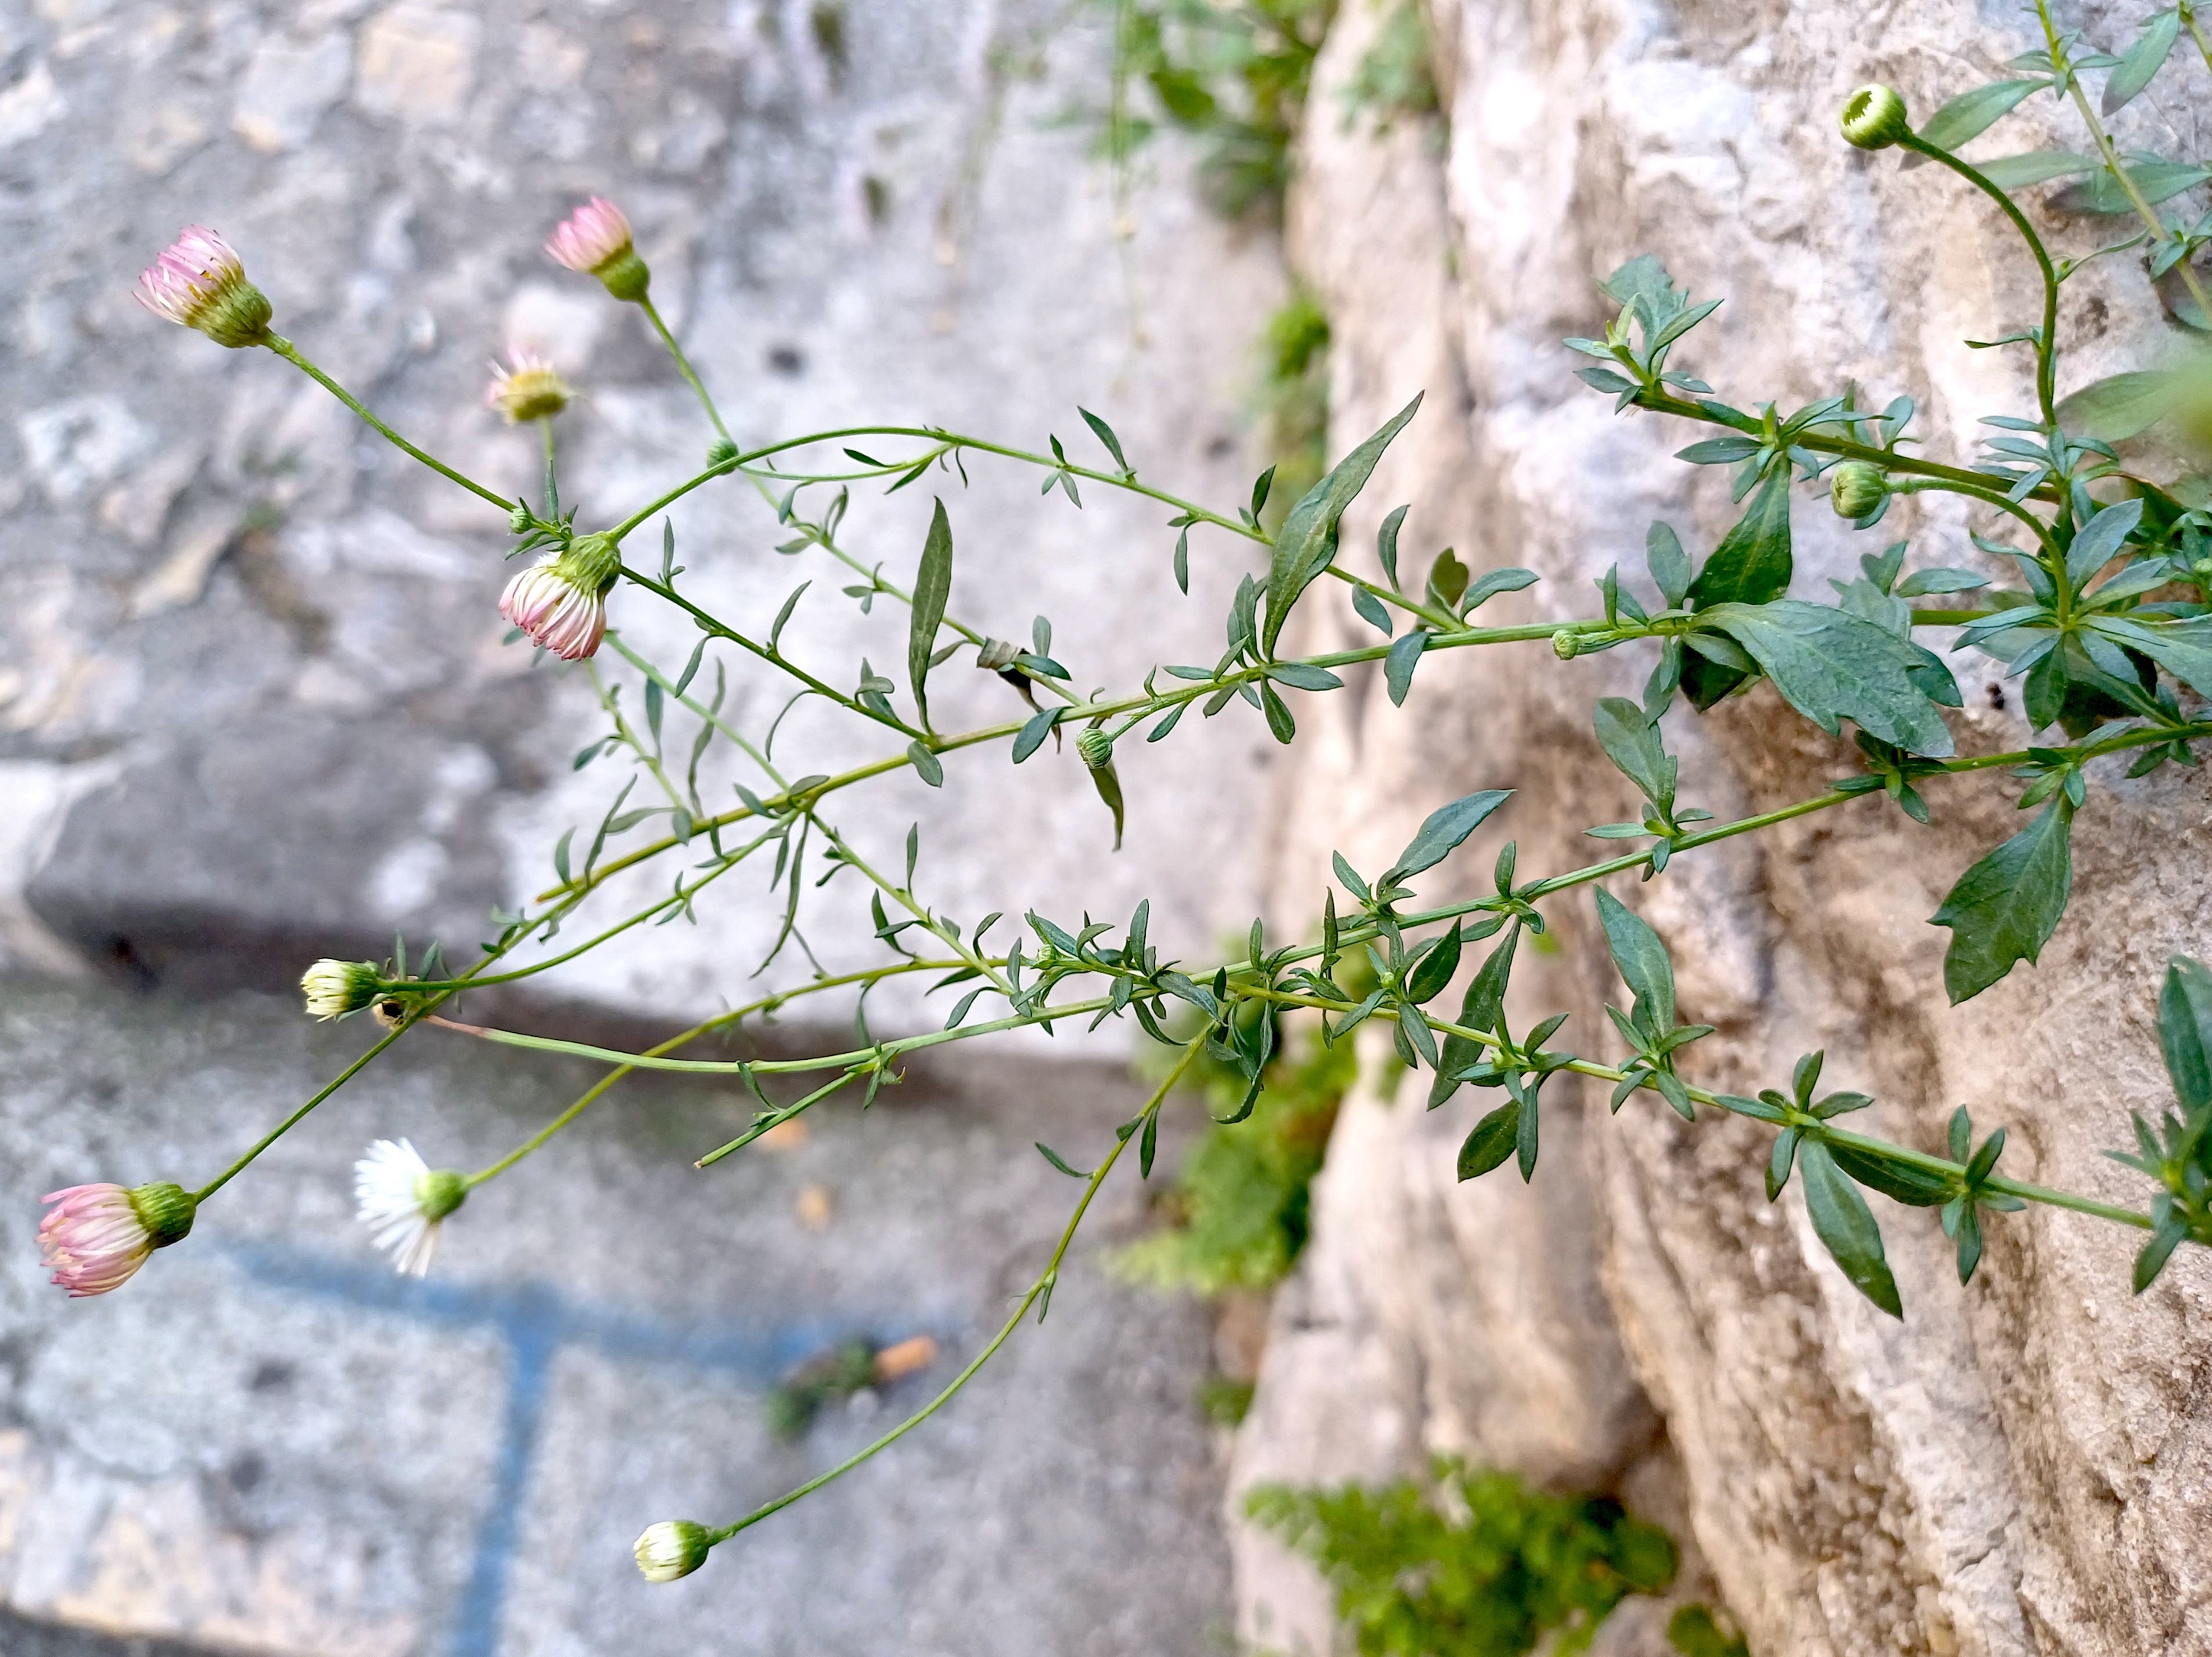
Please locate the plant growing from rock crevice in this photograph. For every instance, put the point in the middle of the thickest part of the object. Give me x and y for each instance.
(2109, 621)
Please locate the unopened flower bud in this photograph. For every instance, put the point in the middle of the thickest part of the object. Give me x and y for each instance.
(1875, 118)
(531, 389)
(1567, 644)
(96, 1236)
(519, 520)
(561, 601)
(722, 451)
(1097, 748)
(200, 283)
(595, 238)
(673, 1548)
(403, 1201)
(1859, 488)
(335, 988)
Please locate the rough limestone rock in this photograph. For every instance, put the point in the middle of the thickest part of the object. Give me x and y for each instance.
(2020, 1465)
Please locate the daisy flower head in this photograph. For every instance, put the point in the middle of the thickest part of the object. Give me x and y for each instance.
(528, 388)
(198, 281)
(595, 240)
(561, 601)
(403, 1201)
(96, 1237)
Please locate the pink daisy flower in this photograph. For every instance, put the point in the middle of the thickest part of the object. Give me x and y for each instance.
(96, 1236)
(595, 240)
(200, 283)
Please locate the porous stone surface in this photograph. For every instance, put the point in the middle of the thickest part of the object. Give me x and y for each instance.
(2020, 1466)
(269, 1442)
(255, 703)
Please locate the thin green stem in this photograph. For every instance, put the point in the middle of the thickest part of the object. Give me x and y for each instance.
(773, 658)
(1882, 1148)
(1143, 705)
(766, 1003)
(651, 761)
(674, 900)
(1845, 448)
(291, 354)
(552, 480)
(683, 365)
(2054, 554)
(1042, 1286)
(2046, 344)
(294, 1120)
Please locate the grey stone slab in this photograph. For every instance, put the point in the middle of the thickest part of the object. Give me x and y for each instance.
(252, 665)
(269, 1441)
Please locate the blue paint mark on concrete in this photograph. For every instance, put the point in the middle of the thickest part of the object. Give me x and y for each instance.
(536, 1322)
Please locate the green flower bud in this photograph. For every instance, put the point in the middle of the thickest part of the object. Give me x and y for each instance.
(1567, 644)
(673, 1548)
(1097, 748)
(518, 520)
(165, 1210)
(1859, 488)
(722, 451)
(1875, 118)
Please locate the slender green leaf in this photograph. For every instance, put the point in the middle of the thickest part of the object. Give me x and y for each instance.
(2185, 1032)
(1632, 741)
(1846, 1227)
(1971, 113)
(1106, 435)
(1059, 1162)
(1398, 666)
(2036, 167)
(1642, 958)
(1444, 828)
(1669, 564)
(1434, 969)
(932, 585)
(2143, 60)
(1492, 1141)
(1307, 541)
(1479, 1009)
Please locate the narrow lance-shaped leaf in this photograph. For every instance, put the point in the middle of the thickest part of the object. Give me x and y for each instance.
(1971, 113)
(1307, 540)
(1479, 1010)
(2143, 60)
(1642, 958)
(1398, 666)
(932, 585)
(1631, 742)
(2005, 908)
(1846, 1227)
(1495, 1138)
(1751, 565)
(1442, 830)
(1434, 970)
(1108, 781)
(2184, 1033)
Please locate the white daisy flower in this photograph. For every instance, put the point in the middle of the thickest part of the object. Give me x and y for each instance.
(403, 1201)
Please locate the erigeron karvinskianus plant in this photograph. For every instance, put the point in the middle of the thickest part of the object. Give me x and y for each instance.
(2111, 627)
